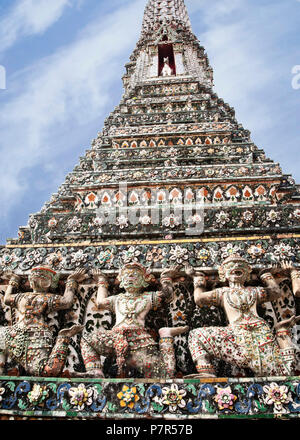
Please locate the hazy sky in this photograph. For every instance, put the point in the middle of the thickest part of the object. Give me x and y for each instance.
(64, 60)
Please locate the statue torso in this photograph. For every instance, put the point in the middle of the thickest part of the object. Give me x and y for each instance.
(131, 311)
(32, 309)
(240, 304)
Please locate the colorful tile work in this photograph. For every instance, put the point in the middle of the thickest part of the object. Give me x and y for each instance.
(173, 184)
(204, 253)
(181, 399)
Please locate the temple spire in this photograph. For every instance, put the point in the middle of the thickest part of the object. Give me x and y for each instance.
(167, 47)
(159, 11)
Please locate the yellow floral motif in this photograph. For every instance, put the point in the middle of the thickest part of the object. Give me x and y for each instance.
(203, 254)
(128, 397)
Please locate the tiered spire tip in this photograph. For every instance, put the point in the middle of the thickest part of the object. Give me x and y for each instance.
(165, 10)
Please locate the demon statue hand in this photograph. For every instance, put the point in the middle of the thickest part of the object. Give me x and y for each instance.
(30, 341)
(295, 276)
(248, 341)
(129, 341)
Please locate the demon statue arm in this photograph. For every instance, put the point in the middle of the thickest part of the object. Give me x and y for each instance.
(295, 276)
(271, 291)
(72, 283)
(167, 278)
(14, 282)
(103, 301)
(202, 297)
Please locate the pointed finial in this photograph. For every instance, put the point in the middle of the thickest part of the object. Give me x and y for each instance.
(160, 11)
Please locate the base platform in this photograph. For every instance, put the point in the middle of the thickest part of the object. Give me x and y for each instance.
(178, 399)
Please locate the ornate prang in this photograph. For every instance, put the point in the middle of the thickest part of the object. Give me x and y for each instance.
(172, 179)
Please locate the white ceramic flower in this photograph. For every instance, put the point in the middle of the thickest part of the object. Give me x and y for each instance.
(81, 396)
(197, 150)
(283, 250)
(297, 214)
(230, 250)
(222, 217)
(171, 221)
(7, 259)
(171, 152)
(144, 153)
(34, 257)
(272, 216)
(195, 219)
(278, 396)
(98, 222)
(130, 254)
(145, 220)
(74, 224)
(173, 397)
(122, 221)
(179, 254)
(38, 393)
(78, 257)
(247, 216)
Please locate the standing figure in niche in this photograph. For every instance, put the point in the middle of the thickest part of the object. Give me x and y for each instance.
(129, 340)
(30, 342)
(166, 70)
(248, 341)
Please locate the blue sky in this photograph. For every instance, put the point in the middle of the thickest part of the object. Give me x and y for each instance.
(64, 60)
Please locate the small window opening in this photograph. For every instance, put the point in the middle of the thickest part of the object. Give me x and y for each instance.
(166, 63)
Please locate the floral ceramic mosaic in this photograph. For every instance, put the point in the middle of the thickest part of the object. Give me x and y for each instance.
(260, 252)
(270, 397)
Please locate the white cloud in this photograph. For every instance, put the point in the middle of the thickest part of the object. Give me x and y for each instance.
(30, 17)
(241, 40)
(211, 10)
(71, 87)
